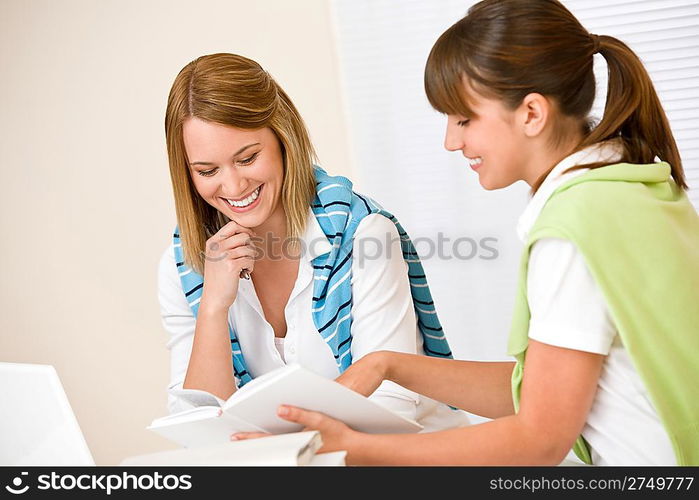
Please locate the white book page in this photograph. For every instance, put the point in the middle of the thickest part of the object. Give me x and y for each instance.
(253, 408)
(193, 414)
(258, 401)
(196, 397)
(203, 426)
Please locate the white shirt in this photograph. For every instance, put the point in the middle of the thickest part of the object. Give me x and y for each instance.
(383, 318)
(568, 310)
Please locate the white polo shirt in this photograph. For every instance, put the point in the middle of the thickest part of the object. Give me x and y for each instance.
(383, 318)
(568, 310)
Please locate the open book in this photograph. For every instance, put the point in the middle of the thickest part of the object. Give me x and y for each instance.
(253, 408)
(296, 448)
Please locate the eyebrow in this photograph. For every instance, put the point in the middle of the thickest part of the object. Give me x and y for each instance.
(234, 155)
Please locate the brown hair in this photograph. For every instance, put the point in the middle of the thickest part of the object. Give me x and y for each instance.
(232, 90)
(506, 49)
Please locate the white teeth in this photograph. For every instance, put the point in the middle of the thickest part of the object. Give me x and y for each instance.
(247, 201)
(475, 161)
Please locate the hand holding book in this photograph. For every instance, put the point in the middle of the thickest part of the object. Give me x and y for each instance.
(335, 434)
(254, 408)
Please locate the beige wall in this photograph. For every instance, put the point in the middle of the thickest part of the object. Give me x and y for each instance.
(87, 208)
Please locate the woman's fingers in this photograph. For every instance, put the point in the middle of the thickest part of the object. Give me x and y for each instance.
(240, 252)
(231, 229)
(229, 236)
(310, 419)
(237, 246)
(230, 255)
(241, 436)
(216, 244)
(335, 434)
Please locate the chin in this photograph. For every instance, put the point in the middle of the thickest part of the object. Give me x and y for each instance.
(251, 221)
(487, 184)
(493, 184)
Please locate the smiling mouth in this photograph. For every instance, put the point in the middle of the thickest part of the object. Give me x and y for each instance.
(247, 201)
(475, 162)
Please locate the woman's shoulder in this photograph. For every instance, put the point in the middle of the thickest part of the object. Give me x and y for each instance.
(376, 225)
(377, 248)
(167, 257)
(168, 276)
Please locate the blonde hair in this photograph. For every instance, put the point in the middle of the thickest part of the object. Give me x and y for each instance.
(233, 90)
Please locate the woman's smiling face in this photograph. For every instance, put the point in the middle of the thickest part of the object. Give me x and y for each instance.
(490, 141)
(239, 172)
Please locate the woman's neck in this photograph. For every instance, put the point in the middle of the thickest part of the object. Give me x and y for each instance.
(271, 235)
(544, 158)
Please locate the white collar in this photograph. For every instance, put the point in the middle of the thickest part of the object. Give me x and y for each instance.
(315, 243)
(608, 151)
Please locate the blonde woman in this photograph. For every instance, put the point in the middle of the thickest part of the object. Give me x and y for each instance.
(265, 267)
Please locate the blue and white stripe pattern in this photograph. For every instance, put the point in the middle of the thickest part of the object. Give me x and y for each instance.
(339, 211)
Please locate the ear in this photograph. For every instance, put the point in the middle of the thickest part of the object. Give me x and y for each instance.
(533, 114)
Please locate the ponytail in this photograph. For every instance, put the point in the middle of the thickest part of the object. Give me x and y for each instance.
(633, 112)
(510, 48)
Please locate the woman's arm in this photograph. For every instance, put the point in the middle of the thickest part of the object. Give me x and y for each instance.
(210, 364)
(193, 341)
(210, 367)
(558, 388)
(383, 319)
(479, 387)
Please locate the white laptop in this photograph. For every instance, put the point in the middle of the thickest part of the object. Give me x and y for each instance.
(37, 423)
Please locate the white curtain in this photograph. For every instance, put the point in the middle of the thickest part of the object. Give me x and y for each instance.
(665, 35)
(399, 159)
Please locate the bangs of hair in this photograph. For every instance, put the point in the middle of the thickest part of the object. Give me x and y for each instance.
(445, 75)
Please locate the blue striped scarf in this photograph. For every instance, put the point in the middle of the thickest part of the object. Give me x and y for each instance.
(339, 210)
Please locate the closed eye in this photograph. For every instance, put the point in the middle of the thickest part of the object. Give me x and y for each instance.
(208, 173)
(250, 159)
(462, 123)
(244, 162)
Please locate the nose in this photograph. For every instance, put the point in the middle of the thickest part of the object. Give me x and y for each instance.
(452, 138)
(233, 183)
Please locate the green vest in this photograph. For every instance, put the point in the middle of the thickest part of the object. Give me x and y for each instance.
(639, 236)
